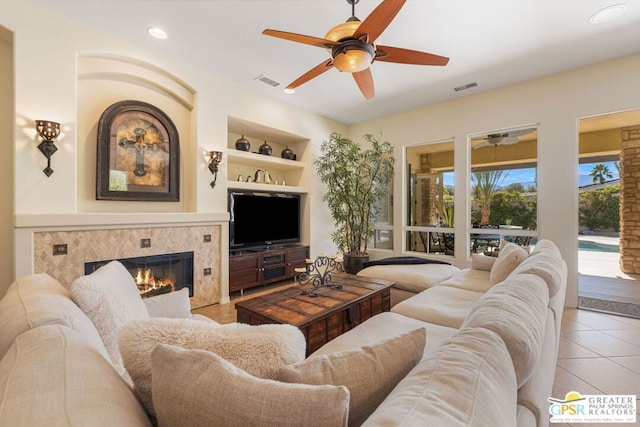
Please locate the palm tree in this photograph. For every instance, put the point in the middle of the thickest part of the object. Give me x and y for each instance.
(600, 173)
(484, 185)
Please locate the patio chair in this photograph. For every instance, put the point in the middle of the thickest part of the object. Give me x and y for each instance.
(449, 243)
(434, 243)
(486, 243)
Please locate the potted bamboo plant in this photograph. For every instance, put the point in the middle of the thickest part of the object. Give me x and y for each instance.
(357, 180)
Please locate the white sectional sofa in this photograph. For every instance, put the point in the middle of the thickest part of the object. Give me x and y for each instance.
(489, 355)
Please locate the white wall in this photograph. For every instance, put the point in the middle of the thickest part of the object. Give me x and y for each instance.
(6, 160)
(556, 103)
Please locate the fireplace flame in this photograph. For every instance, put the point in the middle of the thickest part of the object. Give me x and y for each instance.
(147, 282)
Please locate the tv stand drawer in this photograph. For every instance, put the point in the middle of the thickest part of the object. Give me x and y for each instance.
(250, 269)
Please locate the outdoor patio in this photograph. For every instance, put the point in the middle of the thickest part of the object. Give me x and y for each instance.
(601, 284)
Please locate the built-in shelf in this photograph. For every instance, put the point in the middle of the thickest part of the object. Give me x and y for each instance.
(262, 161)
(252, 186)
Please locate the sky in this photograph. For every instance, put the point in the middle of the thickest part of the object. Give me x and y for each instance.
(527, 176)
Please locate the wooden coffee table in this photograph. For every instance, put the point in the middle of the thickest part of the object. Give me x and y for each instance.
(324, 317)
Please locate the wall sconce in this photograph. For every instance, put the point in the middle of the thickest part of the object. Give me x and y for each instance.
(48, 131)
(215, 158)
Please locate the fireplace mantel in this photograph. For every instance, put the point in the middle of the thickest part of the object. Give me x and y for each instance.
(103, 220)
(94, 236)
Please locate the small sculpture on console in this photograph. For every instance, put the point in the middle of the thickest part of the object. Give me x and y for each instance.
(318, 272)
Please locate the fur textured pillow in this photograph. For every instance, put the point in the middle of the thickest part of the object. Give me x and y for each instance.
(109, 297)
(370, 373)
(198, 388)
(259, 350)
(511, 255)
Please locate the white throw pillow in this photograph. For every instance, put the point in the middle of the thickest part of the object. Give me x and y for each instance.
(511, 255)
(198, 388)
(260, 350)
(370, 373)
(109, 297)
(173, 304)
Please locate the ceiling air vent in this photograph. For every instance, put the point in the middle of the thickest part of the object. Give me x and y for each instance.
(464, 87)
(264, 79)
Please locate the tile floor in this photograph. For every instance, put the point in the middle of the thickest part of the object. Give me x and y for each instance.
(599, 353)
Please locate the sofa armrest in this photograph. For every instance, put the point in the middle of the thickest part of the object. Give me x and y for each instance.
(174, 304)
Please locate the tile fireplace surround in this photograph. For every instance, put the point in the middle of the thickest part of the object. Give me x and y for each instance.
(97, 237)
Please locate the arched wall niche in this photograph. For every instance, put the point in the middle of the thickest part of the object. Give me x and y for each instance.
(105, 79)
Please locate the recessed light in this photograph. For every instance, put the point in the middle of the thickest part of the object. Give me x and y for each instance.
(289, 90)
(157, 33)
(608, 14)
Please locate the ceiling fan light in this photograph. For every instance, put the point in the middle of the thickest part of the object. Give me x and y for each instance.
(342, 31)
(352, 60)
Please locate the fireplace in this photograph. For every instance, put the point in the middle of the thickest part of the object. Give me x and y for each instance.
(156, 274)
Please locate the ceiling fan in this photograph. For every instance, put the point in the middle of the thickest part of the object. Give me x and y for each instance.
(503, 138)
(353, 48)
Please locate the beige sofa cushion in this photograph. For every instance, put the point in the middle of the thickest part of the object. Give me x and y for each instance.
(414, 278)
(39, 299)
(511, 255)
(51, 376)
(109, 297)
(259, 350)
(515, 309)
(198, 388)
(441, 305)
(482, 262)
(470, 279)
(468, 382)
(369, 373)
(384, 326)
(545, 261)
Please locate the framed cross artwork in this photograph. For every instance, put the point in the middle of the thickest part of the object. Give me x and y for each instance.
(138, 154)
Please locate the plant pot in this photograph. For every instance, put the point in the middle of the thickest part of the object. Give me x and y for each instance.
(353, 263)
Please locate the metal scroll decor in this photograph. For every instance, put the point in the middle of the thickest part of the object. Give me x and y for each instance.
(318, 273)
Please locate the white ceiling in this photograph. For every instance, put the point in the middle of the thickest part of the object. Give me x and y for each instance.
(491, 42)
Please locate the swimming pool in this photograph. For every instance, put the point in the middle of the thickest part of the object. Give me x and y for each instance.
(587, 245)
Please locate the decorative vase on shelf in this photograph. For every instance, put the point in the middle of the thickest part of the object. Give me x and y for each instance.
(243, 144)
(287, 153)
(265, 149)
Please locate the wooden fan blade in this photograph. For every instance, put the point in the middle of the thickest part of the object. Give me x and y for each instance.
(379, 19)
(314, 72)
(408, 56)
(301, 38)
(364, 80)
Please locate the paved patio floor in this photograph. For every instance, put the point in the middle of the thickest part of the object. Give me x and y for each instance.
(601, 284)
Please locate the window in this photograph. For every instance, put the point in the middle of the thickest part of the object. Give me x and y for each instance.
(383, 237)
(430, 189)
(503, 189)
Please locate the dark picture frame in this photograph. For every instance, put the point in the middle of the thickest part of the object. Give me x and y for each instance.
(138, 154)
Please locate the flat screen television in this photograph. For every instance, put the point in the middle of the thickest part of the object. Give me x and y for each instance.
(263, 219)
